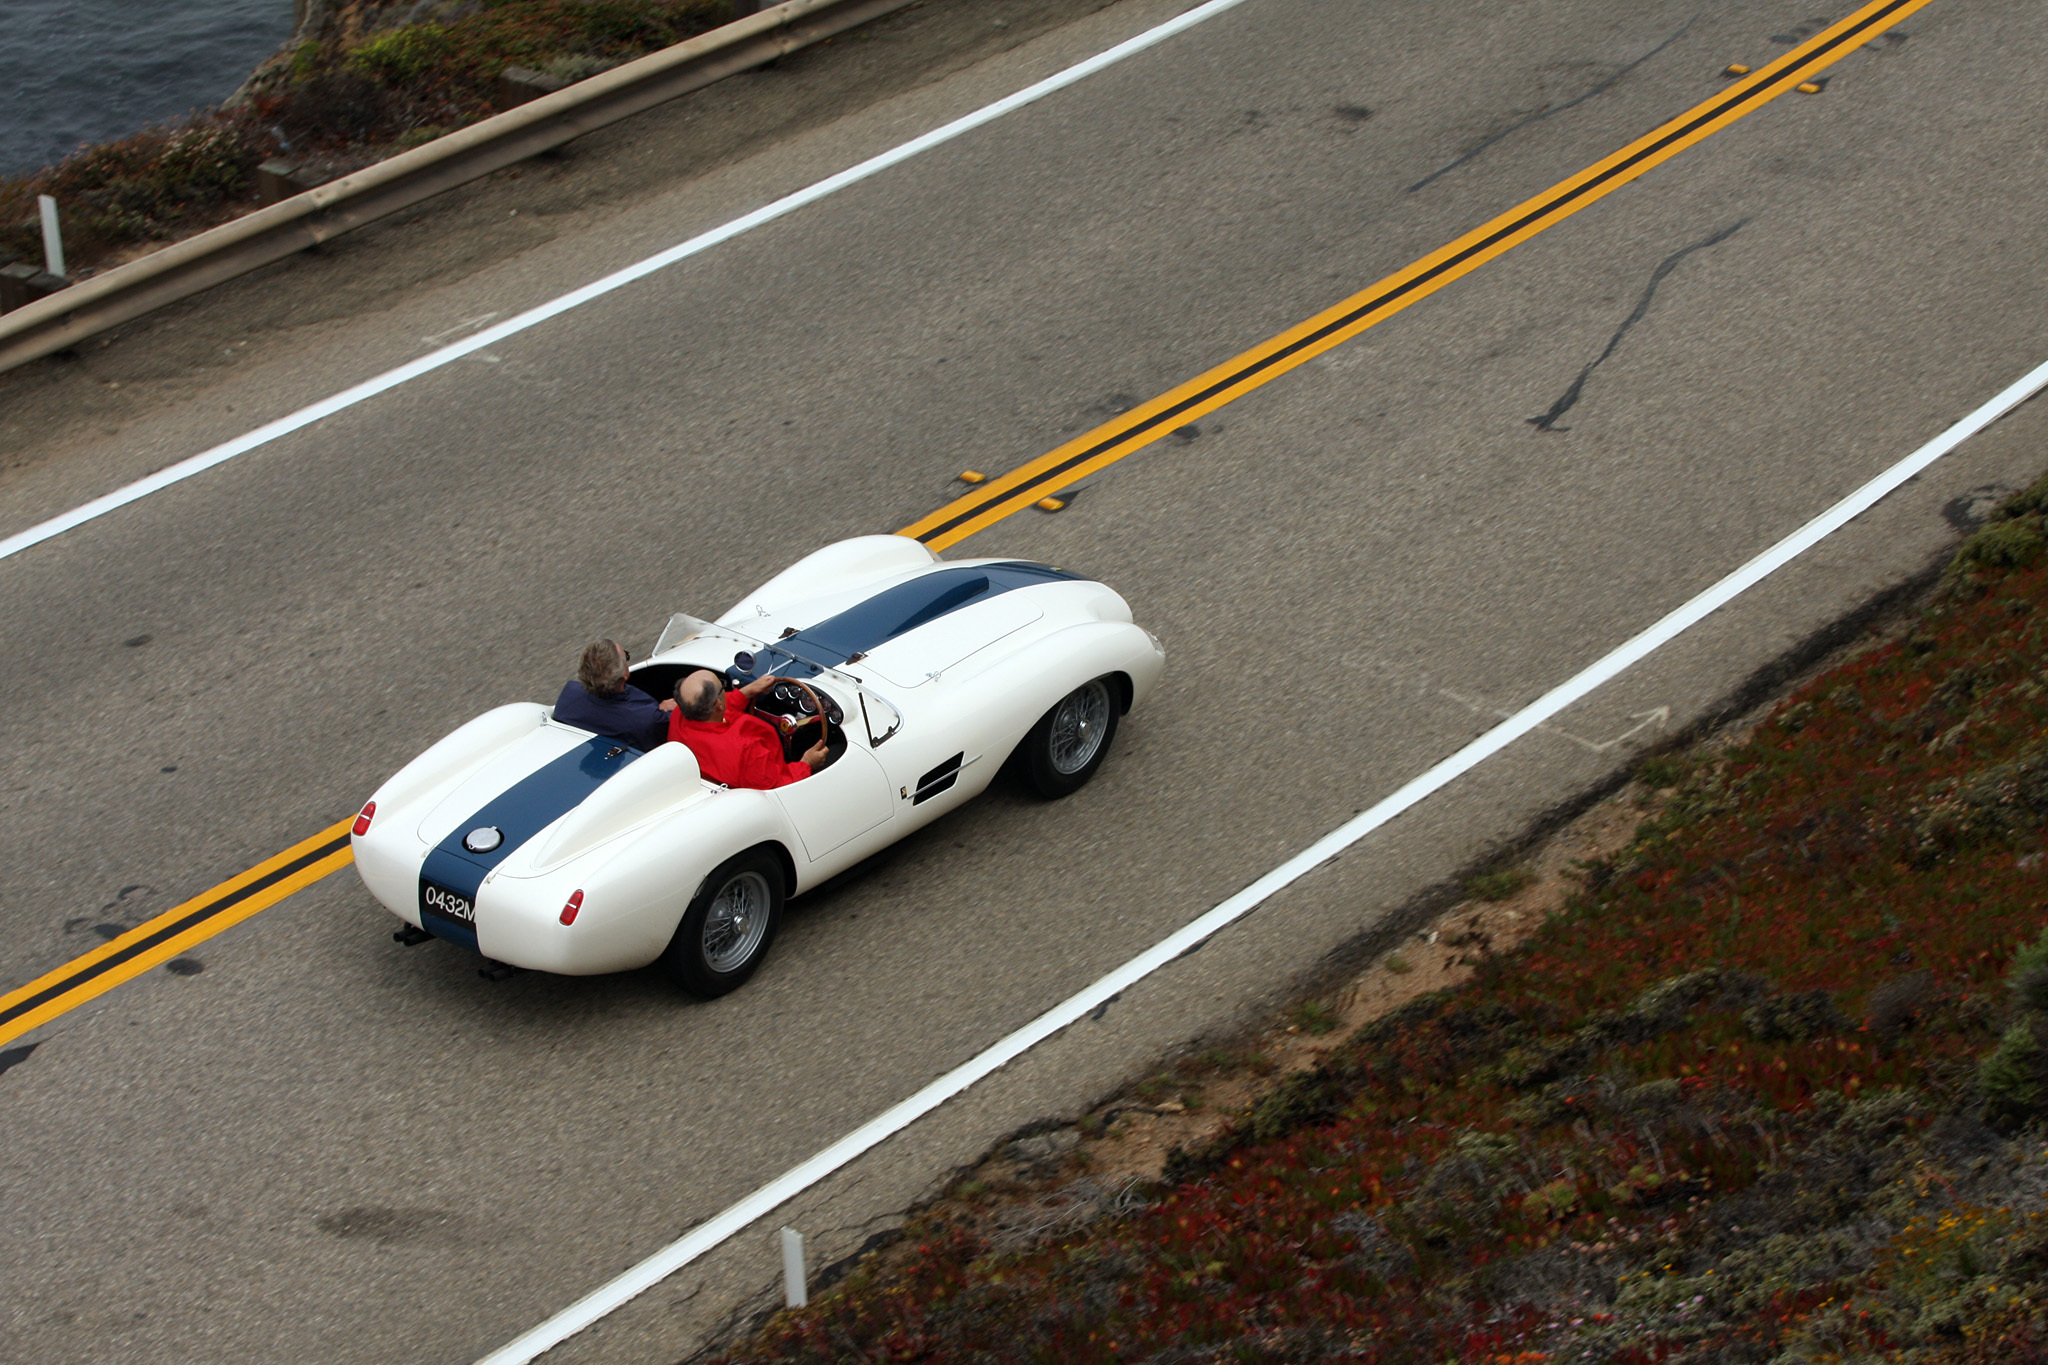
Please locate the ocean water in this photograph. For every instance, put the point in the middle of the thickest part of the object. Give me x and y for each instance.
(79, 71)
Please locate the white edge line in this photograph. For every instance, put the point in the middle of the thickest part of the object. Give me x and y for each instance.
(765, 1200)
(576, 298)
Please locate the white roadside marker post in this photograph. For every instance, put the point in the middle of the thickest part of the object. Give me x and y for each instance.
(53, 236)
(795, 1293)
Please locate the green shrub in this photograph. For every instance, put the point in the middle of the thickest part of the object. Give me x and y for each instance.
(1313, 1016)
(2002, 802)
(404, 55)
(2029, 975)
(1498, 886)
(1660, 771)
(569, 70)
(2002, 546)
(1794, 1018)
(2033, 501)
(2011, 1077)
(203, 162)
(421, 136)
(1879, 1114)
(337, 107)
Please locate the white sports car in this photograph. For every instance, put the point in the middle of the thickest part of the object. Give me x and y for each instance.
(544, 846)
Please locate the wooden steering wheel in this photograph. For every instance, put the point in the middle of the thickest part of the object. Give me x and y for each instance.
(824, 717)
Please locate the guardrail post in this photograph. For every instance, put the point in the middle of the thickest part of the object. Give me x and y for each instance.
(517, 84)
(795, 1293)
(22, 284)
(14, 285)
(280, 180)
(53, 236)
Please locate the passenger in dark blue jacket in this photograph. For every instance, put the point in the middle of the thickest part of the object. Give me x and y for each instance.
(599, 698)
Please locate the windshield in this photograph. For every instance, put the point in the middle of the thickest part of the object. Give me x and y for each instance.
(683, 626)
(743, 657)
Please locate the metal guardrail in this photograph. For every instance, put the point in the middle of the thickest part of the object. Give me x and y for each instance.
(304, 220)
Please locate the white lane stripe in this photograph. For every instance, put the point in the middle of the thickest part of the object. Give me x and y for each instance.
(769, 1197)
(427, 364)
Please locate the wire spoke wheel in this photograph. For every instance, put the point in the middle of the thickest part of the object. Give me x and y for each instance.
(737, 923)
(1080, 724)
(728, 925)
(1063, 750)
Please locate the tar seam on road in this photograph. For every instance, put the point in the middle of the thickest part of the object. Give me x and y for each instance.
(1132, 431)
(1542, 114)
(874, 1132)
(164, 937)
(618, 279)
(1570, 398)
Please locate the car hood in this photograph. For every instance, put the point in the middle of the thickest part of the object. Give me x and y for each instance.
(909, 630)
(917, 656)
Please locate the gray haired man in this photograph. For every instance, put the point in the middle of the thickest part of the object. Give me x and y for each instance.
(599, 698)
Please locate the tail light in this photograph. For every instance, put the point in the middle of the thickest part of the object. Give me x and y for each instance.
(363, 819)
(569, 910)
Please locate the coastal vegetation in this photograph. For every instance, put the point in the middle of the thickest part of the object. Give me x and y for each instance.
(379, 77)
(1772, 1086)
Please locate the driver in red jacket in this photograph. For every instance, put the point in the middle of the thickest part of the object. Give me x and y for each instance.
(733, 745)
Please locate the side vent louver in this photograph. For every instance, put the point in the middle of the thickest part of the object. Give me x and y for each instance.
(937, 780)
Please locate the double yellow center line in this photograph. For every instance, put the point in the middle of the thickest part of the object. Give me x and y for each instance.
(173, 932)
(235, 900)
(1132, 431)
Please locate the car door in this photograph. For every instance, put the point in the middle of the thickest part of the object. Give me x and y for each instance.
(930, 771)
(837, 807)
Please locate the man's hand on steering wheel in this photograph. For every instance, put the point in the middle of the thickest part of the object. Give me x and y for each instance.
(817, 754)
(758, 686)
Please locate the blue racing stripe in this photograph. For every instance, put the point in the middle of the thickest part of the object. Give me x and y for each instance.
(903, 608)
(519, 812)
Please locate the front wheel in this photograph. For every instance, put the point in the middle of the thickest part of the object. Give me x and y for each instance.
(1069, 742)
(727, 929)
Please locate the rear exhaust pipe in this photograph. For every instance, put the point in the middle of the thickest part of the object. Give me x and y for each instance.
(410, 936)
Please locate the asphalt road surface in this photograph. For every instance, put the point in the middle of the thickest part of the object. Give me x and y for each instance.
(309, 1143)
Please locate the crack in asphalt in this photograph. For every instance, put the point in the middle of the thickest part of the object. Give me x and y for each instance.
(1546, 112)
(1570, 397)
(862, 1226)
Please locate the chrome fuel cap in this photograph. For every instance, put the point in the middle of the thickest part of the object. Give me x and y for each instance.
(483, 839)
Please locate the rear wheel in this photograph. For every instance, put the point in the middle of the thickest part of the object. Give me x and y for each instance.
(727, 929)
(1069, 742)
